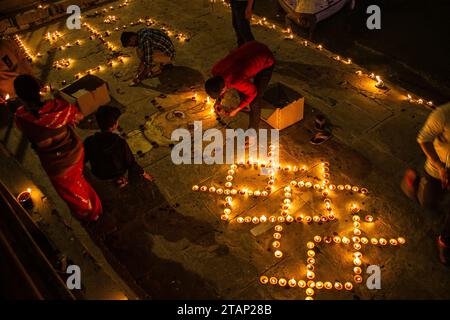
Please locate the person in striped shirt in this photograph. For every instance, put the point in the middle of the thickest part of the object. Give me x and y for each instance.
(153, 47)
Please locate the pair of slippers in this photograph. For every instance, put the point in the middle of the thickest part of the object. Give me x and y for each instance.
(322, 135)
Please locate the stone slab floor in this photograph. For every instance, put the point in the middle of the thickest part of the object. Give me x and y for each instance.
(171, 243)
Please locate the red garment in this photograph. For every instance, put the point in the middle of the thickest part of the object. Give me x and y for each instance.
(55, 120)
(81, 198)
(61, 153)
(54, 114)
(242, 65)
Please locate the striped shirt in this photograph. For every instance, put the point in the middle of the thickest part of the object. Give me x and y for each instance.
(150, 40)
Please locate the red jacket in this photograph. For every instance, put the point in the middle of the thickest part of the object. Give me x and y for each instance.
(242, 65)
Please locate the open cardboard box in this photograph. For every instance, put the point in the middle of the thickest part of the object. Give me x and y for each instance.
(282, 106)
(90, 92)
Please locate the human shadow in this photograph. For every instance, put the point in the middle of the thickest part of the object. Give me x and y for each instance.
(177, 79)
(141, 213)
(90, 123)
(315, 75)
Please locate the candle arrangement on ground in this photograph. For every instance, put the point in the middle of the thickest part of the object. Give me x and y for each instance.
(354, 241)
(289, 35)
(61, 64)
(24, 48)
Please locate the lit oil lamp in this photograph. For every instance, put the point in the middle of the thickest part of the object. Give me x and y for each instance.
(264, 279)
(338, 286)
(380, 83)
(25, 199)
(292, 283)
(355, 208)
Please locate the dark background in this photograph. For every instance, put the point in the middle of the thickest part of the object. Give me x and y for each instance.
(412, 48)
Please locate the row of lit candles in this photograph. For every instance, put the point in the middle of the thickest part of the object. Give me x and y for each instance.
(111, 8)
(23, 48)
(290, 36)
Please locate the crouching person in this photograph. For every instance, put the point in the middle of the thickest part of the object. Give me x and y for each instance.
(109, 155)
(429, 190)
(153, 48)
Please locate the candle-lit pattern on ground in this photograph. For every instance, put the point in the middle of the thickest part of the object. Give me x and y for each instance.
(356, 241)
(289, 35)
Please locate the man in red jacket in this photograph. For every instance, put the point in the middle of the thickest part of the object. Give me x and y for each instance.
(253, 60)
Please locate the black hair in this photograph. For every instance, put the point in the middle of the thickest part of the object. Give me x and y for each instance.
(28, 90)
(106, 117)
(126, 37)
(214, 86)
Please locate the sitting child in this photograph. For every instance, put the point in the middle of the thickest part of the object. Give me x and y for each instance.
(109, 155)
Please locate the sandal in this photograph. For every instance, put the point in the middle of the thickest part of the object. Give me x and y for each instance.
(410, 183)
(320, 123)
(444, 252)
(121, 182)
(320, 138)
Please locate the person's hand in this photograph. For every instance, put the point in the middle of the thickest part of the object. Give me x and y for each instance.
(234, 113)
(78, 117)
(444, 173)
(248, 13)
(148, 176)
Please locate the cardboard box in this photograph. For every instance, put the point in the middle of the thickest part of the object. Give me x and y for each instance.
(89, 91)
(288, 105)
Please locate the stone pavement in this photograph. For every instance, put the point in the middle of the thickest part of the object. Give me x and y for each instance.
(171, 242)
